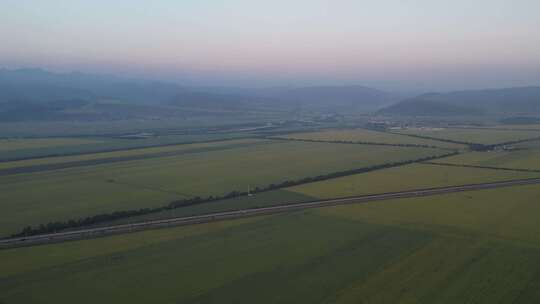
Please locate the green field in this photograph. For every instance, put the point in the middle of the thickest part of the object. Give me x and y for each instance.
(530, 145)
(473, 247)
(469, 247)
(18, 144)
(192, 119)
(525, 156)
(12, 149)
(479, 136)
(516, 126)
(181, 148)
(263, 199)
(515, 160)
(41, 197)
(363, 135)
(409, 177)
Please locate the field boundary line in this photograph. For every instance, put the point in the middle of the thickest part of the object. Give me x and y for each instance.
(481, 167)
(435, 138)
(367, 143)
(285, 207)
(472, 145)
(120, 149)
(197, 200)
(494, 128)
(117, 159)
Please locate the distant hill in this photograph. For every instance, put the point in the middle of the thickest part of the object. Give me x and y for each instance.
(331, 98)
(218, 101)
(510, 101)
(36, 94)
(427, 107)
(37, 85)
(314, 98)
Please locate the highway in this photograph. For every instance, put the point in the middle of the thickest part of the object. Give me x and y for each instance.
(285, 207)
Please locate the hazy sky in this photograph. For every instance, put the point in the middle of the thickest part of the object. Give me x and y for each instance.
(399, 44)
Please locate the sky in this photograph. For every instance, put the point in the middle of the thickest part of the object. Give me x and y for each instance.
(390, 44)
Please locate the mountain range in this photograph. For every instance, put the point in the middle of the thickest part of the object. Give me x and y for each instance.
(36, 94)
(508, 101)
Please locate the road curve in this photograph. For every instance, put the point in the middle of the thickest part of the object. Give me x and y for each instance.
(126, 228)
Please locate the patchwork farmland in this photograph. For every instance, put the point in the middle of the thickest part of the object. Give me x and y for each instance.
(338, 253)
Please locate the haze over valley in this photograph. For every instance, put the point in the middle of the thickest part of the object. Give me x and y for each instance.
(300, 151)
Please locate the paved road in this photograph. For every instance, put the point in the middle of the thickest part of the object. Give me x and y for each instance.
(285, 207)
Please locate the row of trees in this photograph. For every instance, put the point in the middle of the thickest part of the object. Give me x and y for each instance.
(484, 167)
(358, 142)
(53, 227)
(475, 146)
(436, 139)
(481, 147)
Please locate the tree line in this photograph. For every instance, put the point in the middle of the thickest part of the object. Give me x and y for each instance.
(53, 227)
(482, 147)
(359, 143)
(473, 146)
